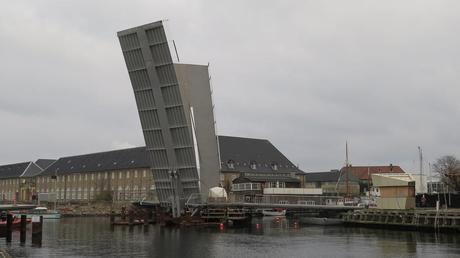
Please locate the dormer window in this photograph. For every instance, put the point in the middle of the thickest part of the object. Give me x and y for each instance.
(274, 166)
(253, 165)
(231, 164)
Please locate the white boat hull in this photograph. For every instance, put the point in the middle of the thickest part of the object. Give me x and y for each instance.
(274, 213)
(45, 216)
(321, 221)
(50, 215)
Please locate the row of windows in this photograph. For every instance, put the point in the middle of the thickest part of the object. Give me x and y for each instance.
(104, 175)
(85, 195)
(7, 195)
(92, 189)
(93, 183)
(253, 165)
(9, 182)
(246, 187)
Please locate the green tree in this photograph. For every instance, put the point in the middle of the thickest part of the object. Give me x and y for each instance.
(448, 167)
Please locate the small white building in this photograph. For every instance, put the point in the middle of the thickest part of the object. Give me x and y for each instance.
(397, 190)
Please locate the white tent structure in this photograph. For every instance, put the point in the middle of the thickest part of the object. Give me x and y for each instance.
(217, 192)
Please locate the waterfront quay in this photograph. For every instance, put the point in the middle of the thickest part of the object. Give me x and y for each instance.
(416, 219)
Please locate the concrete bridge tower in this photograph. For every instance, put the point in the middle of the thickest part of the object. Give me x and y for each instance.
(176, 114)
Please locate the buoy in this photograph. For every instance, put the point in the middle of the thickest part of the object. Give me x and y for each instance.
(257, 226)
(221, 226)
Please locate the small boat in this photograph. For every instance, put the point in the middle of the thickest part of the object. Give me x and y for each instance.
(321, 221)
(40, 211)
(16, 223)
(274, 212)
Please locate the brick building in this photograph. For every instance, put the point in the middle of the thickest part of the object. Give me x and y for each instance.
(364, 174)
(332, 183)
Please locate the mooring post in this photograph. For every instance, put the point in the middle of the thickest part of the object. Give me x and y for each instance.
(130, 217)
(9, 227)
(112, 217)
(146, 217)
(22, 235)
(147, 213)
(37, 230)
(123, 213)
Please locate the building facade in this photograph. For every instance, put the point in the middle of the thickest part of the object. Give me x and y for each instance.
(244, 159)
(18, 182)
(364, 174)
(118, 176)
(125, 175)
(332, 183)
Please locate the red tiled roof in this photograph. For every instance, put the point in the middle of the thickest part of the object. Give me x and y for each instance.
(363, 172)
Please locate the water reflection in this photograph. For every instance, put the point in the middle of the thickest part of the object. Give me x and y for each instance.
(267, 237)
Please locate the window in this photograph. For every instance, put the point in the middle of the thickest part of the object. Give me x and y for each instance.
(231, 164)
(113, 175)
(135, 173)
(127, 174)
(144, 173)
(119, 175)
(253, 165)
(274, 166)
(86, 177)
(105, 175)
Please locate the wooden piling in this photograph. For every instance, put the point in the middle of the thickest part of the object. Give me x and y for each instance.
(22, 235)
(9, 227)
(123, 213)
(130, 217)
(112, 217)
(146, 217)
(37, 230)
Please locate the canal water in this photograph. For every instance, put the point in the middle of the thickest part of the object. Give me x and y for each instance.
(93, 237)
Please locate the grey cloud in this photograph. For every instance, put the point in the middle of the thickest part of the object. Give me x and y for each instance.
(308, 75)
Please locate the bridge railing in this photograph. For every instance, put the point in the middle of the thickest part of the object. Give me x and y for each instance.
(294, 199)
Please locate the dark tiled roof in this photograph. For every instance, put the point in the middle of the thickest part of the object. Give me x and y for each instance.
(265, 177)
(241, 152)
(32, 170)
(102, 161)
(13, 170)
(44, 163)
(331, 176)
(363, 172)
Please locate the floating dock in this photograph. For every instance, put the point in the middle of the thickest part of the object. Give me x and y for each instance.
(417, 219)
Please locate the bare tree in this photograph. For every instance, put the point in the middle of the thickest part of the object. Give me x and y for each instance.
(448, 167)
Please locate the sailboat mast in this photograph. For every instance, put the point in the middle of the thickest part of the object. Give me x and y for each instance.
(347, 169)
(421, 168)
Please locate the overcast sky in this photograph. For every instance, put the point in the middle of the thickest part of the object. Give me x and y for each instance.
(307, 75)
